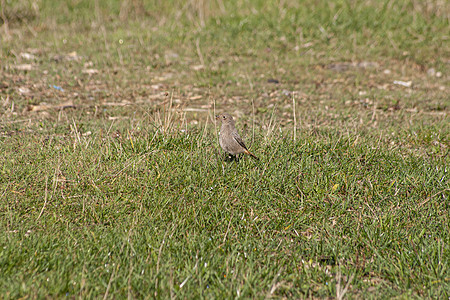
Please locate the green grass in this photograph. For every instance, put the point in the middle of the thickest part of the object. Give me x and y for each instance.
(125, 193)
(149, 212)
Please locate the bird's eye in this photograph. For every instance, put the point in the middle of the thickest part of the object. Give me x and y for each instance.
(223, 117)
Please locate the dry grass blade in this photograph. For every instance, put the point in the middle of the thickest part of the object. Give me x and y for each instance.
(45, 198)
(340, 292)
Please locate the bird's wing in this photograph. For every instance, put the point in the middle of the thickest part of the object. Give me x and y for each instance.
(238, 139)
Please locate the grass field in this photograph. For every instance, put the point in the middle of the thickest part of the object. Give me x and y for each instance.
(113, 185)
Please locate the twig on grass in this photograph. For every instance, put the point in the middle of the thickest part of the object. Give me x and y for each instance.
(340, 292)
(45, 198)
(199, 52)
(431, 197)
(295, 117)
(109, 282)
(228, 229)
(129, 164)
(158, 261)
(275, 285)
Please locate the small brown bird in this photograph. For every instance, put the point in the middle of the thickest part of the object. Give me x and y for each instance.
(229, 138)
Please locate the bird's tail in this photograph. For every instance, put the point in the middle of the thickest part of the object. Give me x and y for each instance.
(251, 154)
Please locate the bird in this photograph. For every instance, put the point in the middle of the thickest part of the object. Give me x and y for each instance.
(229, 139)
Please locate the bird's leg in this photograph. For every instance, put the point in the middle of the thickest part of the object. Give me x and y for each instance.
(229, 157)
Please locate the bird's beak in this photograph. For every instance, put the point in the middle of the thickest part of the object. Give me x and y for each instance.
(217, 117)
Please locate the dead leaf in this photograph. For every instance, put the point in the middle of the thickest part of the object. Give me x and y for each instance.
(403, 83)
(117, 118)
(44, 106)
(72, 56)
(23, 67)
(163, 77)
(197, 67)
(27, 56)
(23, 90)
(90, 71)
(123, 103)
(193, 109)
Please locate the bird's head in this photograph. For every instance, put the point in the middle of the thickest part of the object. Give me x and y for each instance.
(225, 118)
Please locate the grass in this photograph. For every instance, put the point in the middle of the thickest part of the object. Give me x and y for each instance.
(112, 183)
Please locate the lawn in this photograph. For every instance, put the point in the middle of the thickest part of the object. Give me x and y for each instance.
(113, 183)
